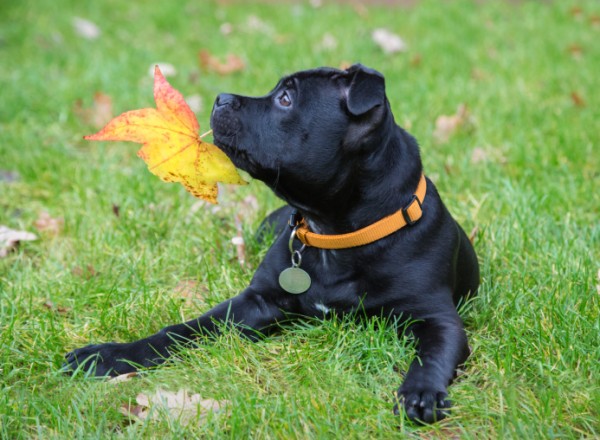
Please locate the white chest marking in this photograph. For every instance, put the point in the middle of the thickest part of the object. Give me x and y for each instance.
(322, 307)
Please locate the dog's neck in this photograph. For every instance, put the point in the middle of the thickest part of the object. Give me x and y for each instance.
(382, 182)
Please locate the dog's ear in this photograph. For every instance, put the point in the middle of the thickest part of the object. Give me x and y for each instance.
(366, 89)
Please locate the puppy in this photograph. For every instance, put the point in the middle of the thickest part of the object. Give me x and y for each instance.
(363, 230)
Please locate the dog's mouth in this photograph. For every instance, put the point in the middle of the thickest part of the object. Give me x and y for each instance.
(226, 129)
(237, 154)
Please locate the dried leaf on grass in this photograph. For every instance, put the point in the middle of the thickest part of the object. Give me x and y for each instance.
(388, 41)
(447, 125)
(10, 239)
(123, 377)
(209, 62)
(182, 406)
(48, 224)
(487, 154)
(191, 292)
(100, 112)
(61, 310)
(578, 101)
(328, 42)
(86, 28)
(576, 51)
(256, 24)
(86, 272)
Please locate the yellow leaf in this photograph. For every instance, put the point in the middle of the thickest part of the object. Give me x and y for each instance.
(172, 147)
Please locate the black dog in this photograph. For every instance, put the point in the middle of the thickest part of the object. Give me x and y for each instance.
(326, 142)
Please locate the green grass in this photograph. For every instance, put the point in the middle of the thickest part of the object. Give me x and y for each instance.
(535, 198)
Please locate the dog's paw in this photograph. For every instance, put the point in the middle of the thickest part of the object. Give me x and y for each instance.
(423, 406)
(99, 360)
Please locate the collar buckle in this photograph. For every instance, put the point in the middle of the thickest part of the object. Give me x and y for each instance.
(406, 214)
(295, 219)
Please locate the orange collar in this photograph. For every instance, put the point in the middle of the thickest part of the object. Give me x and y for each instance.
(408, 215)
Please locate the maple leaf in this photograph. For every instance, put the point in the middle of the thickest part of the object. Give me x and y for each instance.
(172, 147)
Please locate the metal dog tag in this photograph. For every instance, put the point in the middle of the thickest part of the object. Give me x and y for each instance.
(294, 280)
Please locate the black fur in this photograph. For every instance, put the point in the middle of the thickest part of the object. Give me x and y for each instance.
(336, 155)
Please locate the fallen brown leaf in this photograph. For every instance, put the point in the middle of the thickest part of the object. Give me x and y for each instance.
(389, 42)
(576, 51)
(416, 60)
(226, 29)
(576, 12)
(478, 74)
(86, 28)
(577, 99)
(191, 292)
(46, 223)
(256, 24)
(328, 42)
(479, 155)
(57, 309)
(209, 62)
(123, 377)
(182, 406)
(100, 112)
(87, 272)
(10, 239)
(361, 10)
(447, 125)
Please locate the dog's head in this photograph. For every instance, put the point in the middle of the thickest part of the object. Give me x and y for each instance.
(307, 136)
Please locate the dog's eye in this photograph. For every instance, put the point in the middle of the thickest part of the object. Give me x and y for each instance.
(284, 100)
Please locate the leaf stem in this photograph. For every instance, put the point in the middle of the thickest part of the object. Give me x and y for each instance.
(205, 134)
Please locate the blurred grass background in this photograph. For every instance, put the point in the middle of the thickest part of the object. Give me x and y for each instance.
(121, 254)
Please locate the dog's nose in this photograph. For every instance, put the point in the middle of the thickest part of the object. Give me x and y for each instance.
(226, 99)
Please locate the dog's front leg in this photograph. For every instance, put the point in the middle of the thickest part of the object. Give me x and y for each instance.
(250, 312)
(441, 348)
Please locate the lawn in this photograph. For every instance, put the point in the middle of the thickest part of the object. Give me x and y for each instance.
(121, 254)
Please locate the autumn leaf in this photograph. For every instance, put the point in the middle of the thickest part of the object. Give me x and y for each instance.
(100, 112)
(209, 62)
(578, 101)
(183, 406)
(126, 377)
(48, 224)
(172, 147)
(389, 42)
(447, 125)
(9, 239)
